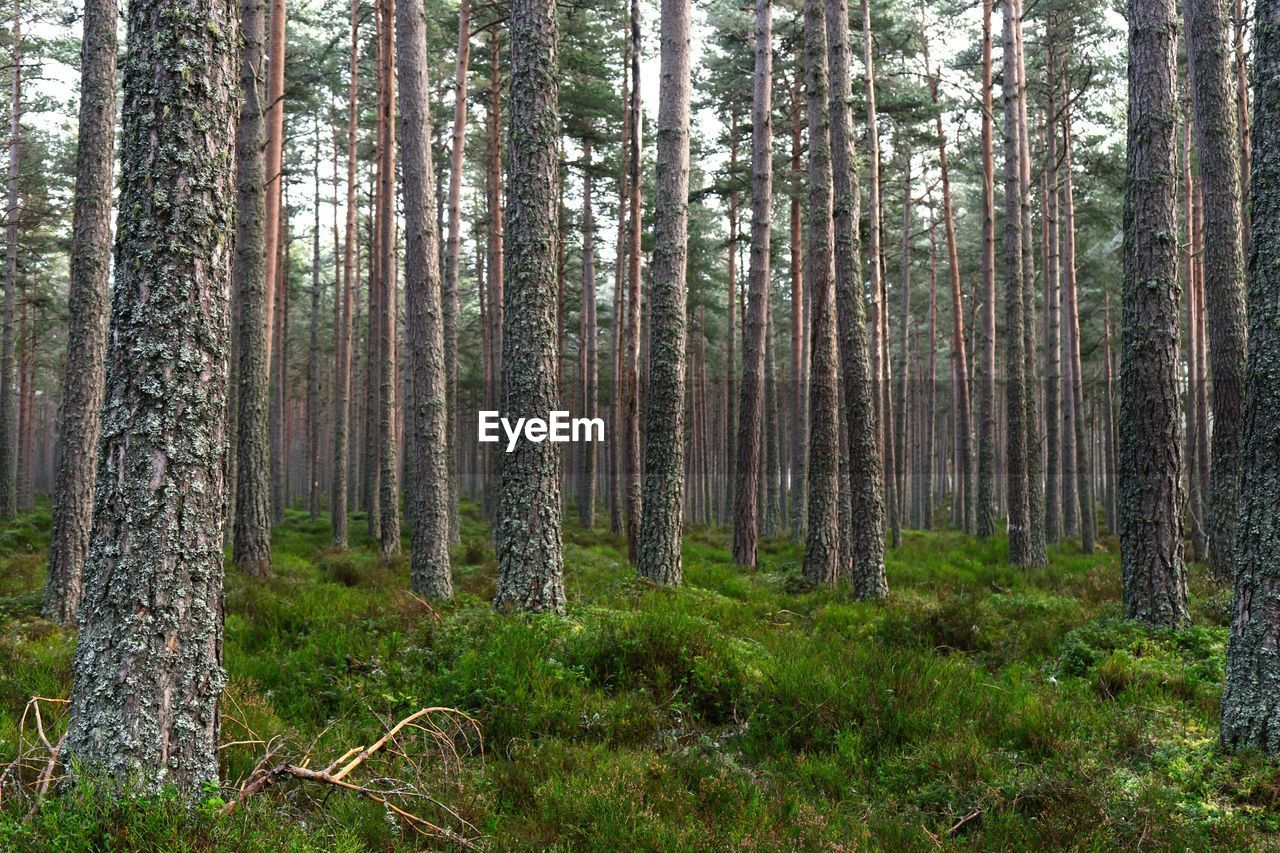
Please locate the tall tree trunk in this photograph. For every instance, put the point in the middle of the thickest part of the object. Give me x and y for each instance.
(822, 548)
(147, 679)
(453, 251)
(902, 420)
(1249, 709)
(1242, 119)
(1213, 107)
(1015, 355)
(530, 562)
(631, 354)
(273, 167)
(587, 460)
(1078, 452)
(313, 349)
(658, 558)
(1109, 415)
(8, 493)
(986, 497)
(496, 266)
(1037, 552)
(865, 563)
(429, 485)
(750, 425)
(1053, 329)
(280, 369)
(389, 475)
(617, 334)
(88, 305)
(1155, 581)
(344, 369)
(926, 493)
(799, 329)
(959, 353)
(251, 541)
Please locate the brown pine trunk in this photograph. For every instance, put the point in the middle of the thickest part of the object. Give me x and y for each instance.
(986, 496)
(587, 337)
(88, 304)
(8, 494)
(389, 475)
(799, 343)
(1155, 583)
(631, 348)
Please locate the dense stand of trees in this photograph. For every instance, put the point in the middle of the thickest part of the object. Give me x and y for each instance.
(523, 229)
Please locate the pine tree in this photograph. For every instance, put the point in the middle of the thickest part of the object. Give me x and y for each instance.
(158, 511)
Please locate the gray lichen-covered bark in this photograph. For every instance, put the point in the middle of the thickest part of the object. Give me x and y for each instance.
(1016, 492)
(251, 547)
(148, 666)
(429, 493)
(527, 535)
(89, 304)
(1251, 698)
(747, 471)
(658, 558)
(1151, 499)
(865, 563)
(822, 546)
(1213, 109)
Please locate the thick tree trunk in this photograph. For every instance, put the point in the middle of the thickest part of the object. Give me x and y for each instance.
(658, 558)
(1250, 714)
(251, 541)
(148, 665)
(986, 497)
(822, 548)
(1155, 582)
(89, 303)
(530, 562)
(865, 563)
(1213, 108)
(751, 414)
(429, 488)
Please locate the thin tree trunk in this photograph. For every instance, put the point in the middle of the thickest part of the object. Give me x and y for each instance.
(8, 492)
(901, 423)
(496, 267)
(587, 461)
(631, 354)
(1016, 451)
(160, 501)
(89, 302)
(313, 351)
(1155, 582)
(344, 369)
(986, 497)
(1078, 453)
(1053, 330)
(617, 334)
(389, 475)
(452, 260)
(751, 416)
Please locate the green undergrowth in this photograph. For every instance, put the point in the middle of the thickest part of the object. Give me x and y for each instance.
(980, 706)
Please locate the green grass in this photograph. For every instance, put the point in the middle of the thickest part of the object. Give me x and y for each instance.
(981, 706)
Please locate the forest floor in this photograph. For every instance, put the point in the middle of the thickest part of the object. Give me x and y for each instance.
(980, 706)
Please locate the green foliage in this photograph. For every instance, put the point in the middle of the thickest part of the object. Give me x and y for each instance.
(981, 704)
